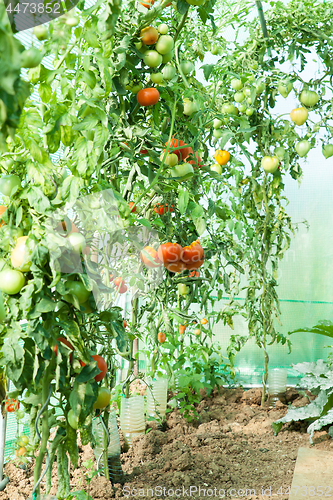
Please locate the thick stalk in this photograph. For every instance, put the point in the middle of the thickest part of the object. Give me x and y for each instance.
(135, 308)
(129, 371)
(45, 433)
(263, 24)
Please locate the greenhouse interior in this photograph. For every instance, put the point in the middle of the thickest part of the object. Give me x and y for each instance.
(165, 278)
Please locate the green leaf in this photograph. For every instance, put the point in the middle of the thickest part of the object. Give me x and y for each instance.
(200, 225)
(183, 201)
(182, 6)
(207, 70)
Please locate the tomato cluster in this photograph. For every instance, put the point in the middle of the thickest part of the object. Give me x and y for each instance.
(174, 257)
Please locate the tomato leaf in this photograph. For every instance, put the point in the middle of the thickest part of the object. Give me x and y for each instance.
(183, 201)
(182, 6)
(207, 70)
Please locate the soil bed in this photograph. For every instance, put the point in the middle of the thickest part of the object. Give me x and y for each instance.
(231, 448)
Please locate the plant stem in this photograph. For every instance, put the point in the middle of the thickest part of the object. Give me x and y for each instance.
(135, 307)
(45, 433)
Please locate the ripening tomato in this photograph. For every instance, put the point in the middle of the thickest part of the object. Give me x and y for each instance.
(175, 267)
(125, 323)
(101, 364)
(270, 164)
(163, 209)
(169, 252)
(171, 159)
(147, 3)
(2, 211)
(183, 152)
(148, 96)
(12, 405)
(119, 281)
(204, 321)
(120, 285)
(195, 162)
(20, 256)
(197, 331)
(182, 329)
(132, 206)
(21, 452)
(103, 398)
(222, 157)
(122, 289)
(299, 115)
(194, 265)
(149, 257)
(161, 337)
(149, 35)
(193, 253)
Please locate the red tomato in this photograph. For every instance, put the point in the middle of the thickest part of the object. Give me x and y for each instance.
(12, 405)
(122, 289)
(125, 323)
(182, 153)
(101, 364)
(119, 281)
(197, 162)
(154, 262)
(148, 3)
(193, 253)
(148, 96)
(169, 252)
(67, 343)
(143, 152)
(132, 206)
(163, 209)
(194, 265)
(175, 267)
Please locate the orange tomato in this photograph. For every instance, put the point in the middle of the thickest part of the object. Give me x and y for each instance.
(221, 156)
(149, 35)
(193, 254)
(150, 251)
(161, 337)
(132, 206)
(194, 265)
(125, 323)
(197, 331)
(163, 209)
(21, 452)
(195, 274)
(182, 329)
(148, 96)
(169, 252)
(204, 321)
(2, 211)
(148, 3)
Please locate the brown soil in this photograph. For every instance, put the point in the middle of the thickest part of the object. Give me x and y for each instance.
(232, 447)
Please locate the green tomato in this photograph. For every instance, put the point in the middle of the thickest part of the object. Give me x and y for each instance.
(8, 183)
(236, 84)
(187, 67)
(164, 44)
(31, 58)
(247, 91)
(152, 58)
(302, 148)
(327, 150)
(19, 415)
(217, 133)
(183, 289)
(24, 439)
(156, 77)
(249, 111)
(185, 171)
(242, 108)
(73, 420)
(249, 100)
(279, 152)
(285, 87)
(40, 32)
(11, 281)
(168, 72)
(309, 98)
(216, 168)
(77, 241)
(229, 109)
(270, 164)
(103, 398)
(196, 2)
(163, 29)
(134, 87)
(217, 123)
(171, 159)
(168, 57)
(72, 21)
(239, 96)
(190, 107)
(78, 289)
(260, 87)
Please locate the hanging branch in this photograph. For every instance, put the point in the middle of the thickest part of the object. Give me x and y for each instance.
(263, 24)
